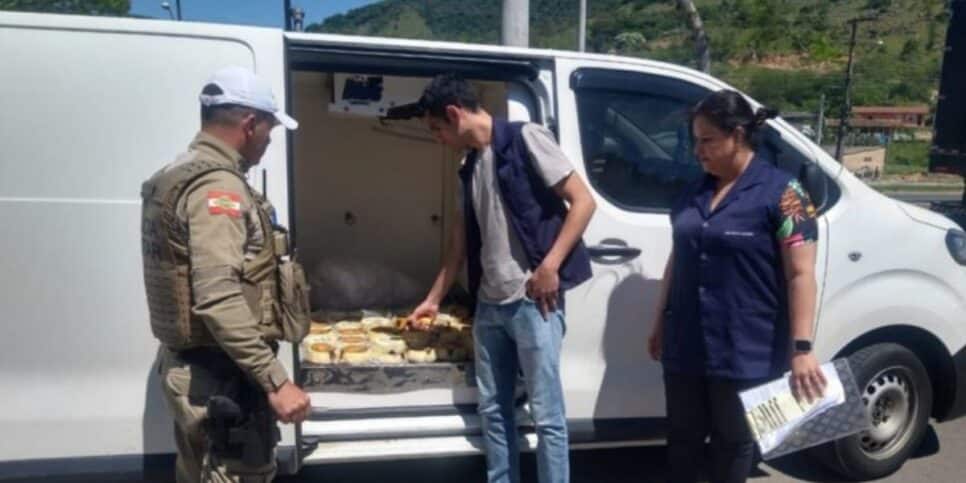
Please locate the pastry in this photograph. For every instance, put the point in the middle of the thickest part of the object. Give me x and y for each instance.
(356, 354)
(320, 353)
(373, 322)
(401, 322)
(421, 355)
(317, 338)
(350, 330)
(348, 325)
(387, 342)
(352, 339)
(320, 328)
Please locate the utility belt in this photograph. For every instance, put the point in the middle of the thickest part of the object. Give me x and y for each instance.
(240, 425)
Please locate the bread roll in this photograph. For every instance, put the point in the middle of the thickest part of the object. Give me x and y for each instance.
(421, 355)
(320, 353)
(356, 354)
(387, 343)
(320, 328)
(353, 339)
(370, 323)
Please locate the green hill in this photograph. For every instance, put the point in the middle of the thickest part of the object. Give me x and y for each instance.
(784, 52)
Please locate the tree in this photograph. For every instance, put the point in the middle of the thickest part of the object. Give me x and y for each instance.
(701, 49)
(83, 7)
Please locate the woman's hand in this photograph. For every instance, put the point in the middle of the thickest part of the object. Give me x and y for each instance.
(807, 380)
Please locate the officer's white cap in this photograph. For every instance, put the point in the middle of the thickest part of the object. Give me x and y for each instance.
(242, 87)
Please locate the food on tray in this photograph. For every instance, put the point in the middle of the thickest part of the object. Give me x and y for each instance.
(350, 331)
(356, 354)
(372, 322)
(352, 339)
(320, 328)
(348, 325)
(421, 355)
(377, 339)
(388, 342)
(321, 353)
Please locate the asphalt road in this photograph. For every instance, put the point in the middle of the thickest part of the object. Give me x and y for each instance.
(939, 460)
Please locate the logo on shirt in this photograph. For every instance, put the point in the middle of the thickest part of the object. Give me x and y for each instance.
(740, 233)
(224, 203)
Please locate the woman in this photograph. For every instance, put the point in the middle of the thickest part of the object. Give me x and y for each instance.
(738, 299)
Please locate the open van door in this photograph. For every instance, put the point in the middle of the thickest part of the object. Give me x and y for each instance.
(375, 196)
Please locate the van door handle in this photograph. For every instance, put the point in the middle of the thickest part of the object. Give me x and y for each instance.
(612, 247)
(605, 251)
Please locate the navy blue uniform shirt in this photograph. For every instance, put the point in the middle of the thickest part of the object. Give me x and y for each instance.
(727, 311)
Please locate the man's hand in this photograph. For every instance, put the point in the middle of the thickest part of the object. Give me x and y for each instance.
(807, 380)
(655, 341)
(290, 403)
(426, 311)
(543, 287)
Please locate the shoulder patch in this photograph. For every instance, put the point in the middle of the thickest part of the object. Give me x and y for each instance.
(224, 203)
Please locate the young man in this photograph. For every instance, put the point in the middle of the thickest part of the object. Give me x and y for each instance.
(523, 248)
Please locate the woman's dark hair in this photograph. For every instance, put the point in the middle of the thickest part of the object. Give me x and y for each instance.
(728, 110)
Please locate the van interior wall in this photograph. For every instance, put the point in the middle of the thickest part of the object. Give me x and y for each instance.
(372, 200)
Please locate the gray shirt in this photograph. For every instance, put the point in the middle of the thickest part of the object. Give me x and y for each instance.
(505, 266)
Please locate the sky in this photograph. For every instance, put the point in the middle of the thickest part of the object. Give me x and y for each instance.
(265, 13)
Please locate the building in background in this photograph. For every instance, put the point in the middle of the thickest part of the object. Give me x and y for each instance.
(867, 162)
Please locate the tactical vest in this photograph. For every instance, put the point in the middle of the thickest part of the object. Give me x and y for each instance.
(273, 287)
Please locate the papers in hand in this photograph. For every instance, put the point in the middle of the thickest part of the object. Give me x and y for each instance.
(773, 413)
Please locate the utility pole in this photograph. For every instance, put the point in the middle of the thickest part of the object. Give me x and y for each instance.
(516, 23)
(847, 105)
(177, 7)
(582, 28)
(287, 4)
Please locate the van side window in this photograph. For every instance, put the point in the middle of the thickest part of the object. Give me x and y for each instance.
(820, 187)
(636, 146)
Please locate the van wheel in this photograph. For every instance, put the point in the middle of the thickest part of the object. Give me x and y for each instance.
(897, 394)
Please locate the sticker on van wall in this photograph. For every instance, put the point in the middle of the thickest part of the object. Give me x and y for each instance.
(224, 203)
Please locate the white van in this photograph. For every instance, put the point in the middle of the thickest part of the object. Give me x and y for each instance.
(92, 106)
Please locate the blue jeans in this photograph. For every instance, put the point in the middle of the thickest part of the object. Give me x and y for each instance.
(510, 338)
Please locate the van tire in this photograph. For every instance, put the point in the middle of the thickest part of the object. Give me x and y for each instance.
(898, 395)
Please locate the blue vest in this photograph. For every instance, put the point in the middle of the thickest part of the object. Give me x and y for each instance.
(727, 313)
(534, 211)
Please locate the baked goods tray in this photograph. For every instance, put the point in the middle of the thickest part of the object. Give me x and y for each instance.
(387, 378)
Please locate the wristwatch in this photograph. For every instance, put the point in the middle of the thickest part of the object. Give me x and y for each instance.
(802, 346)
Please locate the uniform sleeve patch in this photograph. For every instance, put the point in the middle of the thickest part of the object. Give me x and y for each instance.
(224, 203)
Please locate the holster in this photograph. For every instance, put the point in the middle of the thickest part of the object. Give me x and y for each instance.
(240, 425)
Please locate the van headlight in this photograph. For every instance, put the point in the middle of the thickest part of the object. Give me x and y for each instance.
(956, 243)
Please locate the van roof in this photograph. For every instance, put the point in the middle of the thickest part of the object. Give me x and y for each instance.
(164, 26)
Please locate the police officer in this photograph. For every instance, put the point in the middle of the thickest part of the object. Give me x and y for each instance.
(739, 291)
(211, 258)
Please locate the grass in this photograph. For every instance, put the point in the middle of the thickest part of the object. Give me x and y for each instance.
(907, 157)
